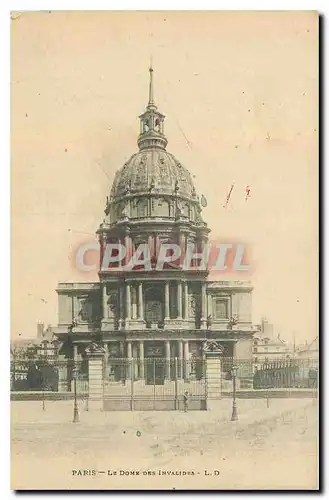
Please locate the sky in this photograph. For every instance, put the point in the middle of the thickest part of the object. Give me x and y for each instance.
(240, 95)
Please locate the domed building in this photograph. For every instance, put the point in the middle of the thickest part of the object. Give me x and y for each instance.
(142, 312)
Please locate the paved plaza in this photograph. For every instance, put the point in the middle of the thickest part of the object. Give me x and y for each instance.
(196, 443)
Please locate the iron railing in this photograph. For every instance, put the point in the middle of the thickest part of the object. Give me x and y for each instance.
(290, 373)
(160, 375)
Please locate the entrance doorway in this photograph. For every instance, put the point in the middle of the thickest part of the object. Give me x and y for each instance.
(155, 363)
(153, 312)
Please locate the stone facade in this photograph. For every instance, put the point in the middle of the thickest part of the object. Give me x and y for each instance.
(156, 313)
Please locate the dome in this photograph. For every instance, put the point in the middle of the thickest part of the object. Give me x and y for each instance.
(153, 170)
(152, 185)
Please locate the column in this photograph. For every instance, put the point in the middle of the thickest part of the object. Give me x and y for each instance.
(133, 302)
(105, 308)
(128, 248)
(122, 306)
(234, 350)
(103, 245)
(140, 301)
(185, 300)
(75, 352)
(209, 300)
(167, 368)
(151, 246)
(122, 364)
(180, 359)
(101, 252)
(167, 311)
(186, 359)
(203, 301)
(106, 361)
(122, 349)
(157, 246)
(182, 244)
(135, 358)
(141, 360)
(129, 359)
(179, 299)
(128, 302)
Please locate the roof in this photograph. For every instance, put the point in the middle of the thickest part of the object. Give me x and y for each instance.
(313, 346)
(153, 170)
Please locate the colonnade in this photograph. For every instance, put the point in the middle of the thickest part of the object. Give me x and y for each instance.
(135, 350)
(131, 300)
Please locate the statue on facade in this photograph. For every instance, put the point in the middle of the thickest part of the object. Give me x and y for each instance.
(212, 346)
(95, 348)
(233, 321)
(209, 321)
(85, 312)
(112, 305)
(192, 306)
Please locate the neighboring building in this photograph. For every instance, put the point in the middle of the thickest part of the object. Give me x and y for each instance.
(308, 351)
(23, 351)
(31, 346)
(159, 313)
(267, 347)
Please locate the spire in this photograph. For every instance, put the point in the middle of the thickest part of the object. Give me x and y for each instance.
(151, 123)
(151, 94)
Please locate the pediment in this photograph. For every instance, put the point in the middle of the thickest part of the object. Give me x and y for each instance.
(211, 346)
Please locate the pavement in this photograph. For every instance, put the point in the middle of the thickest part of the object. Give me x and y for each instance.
(205, 448)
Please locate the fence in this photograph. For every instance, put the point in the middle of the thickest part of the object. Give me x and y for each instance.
(292, 373)
(155, 384)
(161, 383)
(48, 375)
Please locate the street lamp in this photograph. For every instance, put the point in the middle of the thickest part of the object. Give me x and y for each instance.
(234, 409)
(76, 409)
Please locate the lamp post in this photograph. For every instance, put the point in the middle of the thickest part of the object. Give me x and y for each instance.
(76, 409)
(234, 409)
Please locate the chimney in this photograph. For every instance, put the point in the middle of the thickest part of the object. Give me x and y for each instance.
(40, 329)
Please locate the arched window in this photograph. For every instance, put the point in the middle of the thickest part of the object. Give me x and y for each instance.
(157, 125)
